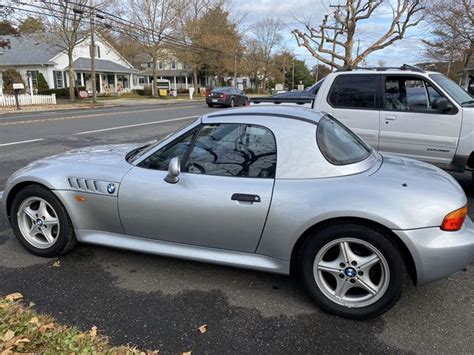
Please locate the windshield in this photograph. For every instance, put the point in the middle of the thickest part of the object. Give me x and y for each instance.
(456, 92)
(338, 144)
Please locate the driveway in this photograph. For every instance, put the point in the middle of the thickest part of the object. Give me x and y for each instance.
(158, 303)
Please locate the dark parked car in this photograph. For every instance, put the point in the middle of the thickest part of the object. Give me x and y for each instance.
(226, 96)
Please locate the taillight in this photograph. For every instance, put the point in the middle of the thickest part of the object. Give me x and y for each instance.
(454, 220)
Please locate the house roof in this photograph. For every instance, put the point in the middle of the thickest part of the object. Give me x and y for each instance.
(33, 49)
(101, 65)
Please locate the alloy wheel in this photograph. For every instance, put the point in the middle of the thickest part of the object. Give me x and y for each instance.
(38, 222)
(351, 272)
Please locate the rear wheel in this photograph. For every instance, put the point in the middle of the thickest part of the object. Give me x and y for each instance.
(352, 271)
(41, 223)
(210, 105)
(232, 103)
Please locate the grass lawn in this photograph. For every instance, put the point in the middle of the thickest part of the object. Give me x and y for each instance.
(22, 330)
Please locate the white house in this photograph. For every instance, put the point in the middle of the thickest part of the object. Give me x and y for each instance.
(34, 54)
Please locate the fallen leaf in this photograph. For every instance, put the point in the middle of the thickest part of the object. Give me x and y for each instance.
(57, 263)
(13, 296)
(93, 331)
(203, 328)
(186, 353)
(8, 335)
(45, 327)
(33, 320)
(3, 306)
(22, 340)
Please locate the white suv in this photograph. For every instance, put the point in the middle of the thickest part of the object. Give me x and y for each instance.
(405, 111)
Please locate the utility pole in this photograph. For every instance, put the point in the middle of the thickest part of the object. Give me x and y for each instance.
(293, 80)
(92, 52)
(235, 69)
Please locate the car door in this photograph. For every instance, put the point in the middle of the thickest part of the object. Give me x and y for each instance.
(352, 100)
(223, 194)
(410, 126)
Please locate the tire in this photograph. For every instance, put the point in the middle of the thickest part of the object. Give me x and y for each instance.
(210, 105)
(385, 277)
(61, 236)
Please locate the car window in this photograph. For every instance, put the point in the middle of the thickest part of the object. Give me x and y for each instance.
(233, 150)
(412, 94)
(353, 91)
(454, 90)
(338, 144)
(161, 158)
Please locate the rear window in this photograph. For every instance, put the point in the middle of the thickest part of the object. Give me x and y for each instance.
(353, 91)
(338, 144)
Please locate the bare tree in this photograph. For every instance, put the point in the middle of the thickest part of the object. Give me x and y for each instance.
(156, 20)
(64, 22)
(265, 42)
(332, 42)
(453, 35)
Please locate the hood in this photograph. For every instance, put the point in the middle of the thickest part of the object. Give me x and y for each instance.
(106, 162)
(428, 189)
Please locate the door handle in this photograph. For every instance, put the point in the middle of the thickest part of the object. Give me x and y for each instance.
(245, 198)
(390, 118)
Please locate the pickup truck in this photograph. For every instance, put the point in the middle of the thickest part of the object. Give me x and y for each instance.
(404, 111)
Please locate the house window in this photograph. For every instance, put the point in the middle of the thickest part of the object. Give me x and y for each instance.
(58, 80)
(149, 65)
(34, 77)
(97, 51)
(141, 80)
(160, 64)
(173, 65)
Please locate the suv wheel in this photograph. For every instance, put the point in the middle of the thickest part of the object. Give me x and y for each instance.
(41, 223)
(352, 271)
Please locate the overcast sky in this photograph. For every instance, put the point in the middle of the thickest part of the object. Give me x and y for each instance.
(409, 50)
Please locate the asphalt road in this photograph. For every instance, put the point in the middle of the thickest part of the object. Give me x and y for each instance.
(158, 303)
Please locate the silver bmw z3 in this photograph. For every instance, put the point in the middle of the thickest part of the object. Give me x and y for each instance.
(277, 189)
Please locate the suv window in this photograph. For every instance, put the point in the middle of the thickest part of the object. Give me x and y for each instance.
(233, 150)
(338, 144)
(353, 91)
(412, 94)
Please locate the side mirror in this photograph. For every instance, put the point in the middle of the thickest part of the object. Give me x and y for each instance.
(440, 104)
(174, 169)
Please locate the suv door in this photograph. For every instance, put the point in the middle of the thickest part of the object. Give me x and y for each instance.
(352, 99)
(222, 197)
(410, 126)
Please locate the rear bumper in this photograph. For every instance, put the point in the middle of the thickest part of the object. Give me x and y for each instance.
(214, 101)
(438, 254)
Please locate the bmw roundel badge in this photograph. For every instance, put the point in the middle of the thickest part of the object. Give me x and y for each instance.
(111, 188)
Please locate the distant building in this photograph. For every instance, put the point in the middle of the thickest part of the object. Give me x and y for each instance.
(37, 53)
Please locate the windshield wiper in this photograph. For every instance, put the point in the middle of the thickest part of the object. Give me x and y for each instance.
(131, 155)
(468, 102)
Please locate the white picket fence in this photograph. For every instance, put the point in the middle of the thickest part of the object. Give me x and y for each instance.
(9, 100)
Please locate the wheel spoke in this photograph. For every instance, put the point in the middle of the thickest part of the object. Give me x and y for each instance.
(47, 233)
(367, 285)
(365, 263)
(30, 213)
(346, 252)
(51, 222)
(43, 210)
(330, 266)
(34, 230)
(342, 287)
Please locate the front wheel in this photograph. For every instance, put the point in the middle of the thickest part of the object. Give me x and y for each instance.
(41, 223)
(210, 105)
(352, 271)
